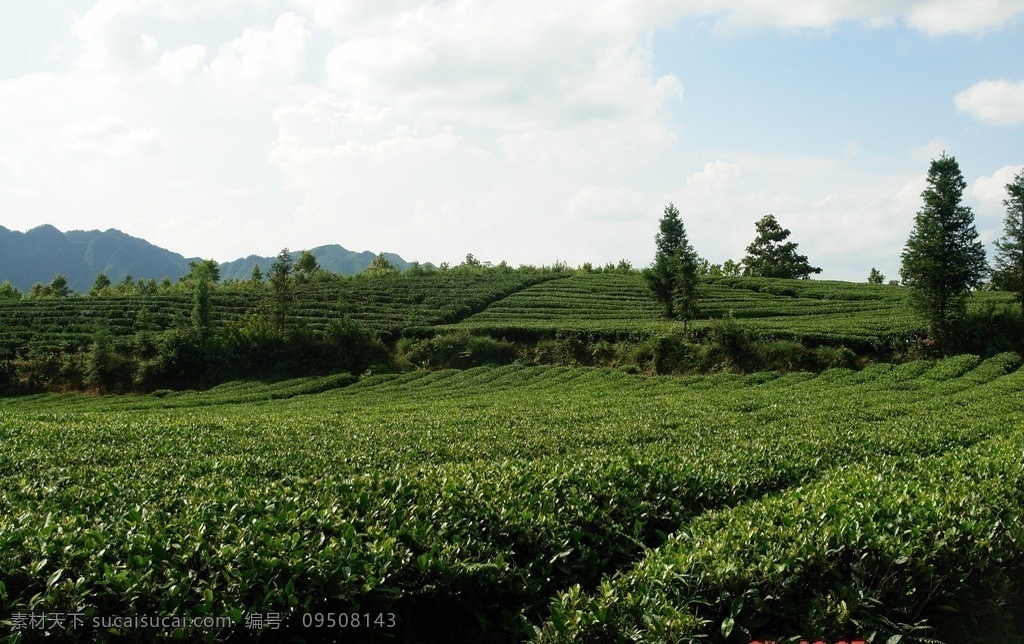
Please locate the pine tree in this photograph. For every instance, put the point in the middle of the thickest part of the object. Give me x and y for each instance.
(768, 256)
(943, 258)
(673, 276)
(1009, 260)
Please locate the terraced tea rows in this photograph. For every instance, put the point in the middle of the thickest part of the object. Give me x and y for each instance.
(478, 495)
(385, 304)
(619, 306)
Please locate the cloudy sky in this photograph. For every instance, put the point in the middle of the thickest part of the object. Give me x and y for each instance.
(528, 131)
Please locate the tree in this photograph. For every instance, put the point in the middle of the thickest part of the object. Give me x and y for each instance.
(1009, 260)
(100, 286)
(256, 277)
(673, 275)
(731, 268)
(206, 270)
(943, 258)
(306, 266)
(768, 256)
(59, 286)
(381, 266)
(875, 276)
(9, 291)
(281, 287)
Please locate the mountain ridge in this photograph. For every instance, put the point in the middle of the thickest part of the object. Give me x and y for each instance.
(39, 254)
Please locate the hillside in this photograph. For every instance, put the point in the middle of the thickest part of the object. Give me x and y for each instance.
(80, 255)
(465, 317)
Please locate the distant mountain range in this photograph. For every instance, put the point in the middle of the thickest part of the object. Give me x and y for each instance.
(80, 255)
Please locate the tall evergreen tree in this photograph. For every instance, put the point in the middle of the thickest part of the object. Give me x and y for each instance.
(770, 255)
(1009, 261)
(943, 258)
(281, 287)
(673, 275)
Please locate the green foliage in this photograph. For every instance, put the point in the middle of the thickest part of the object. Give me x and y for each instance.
(381, 266)
(1009, 261)
(100, 286)
(281, 289)
(876, 276)
(9, 291)
(306, 265)
(943, 258)
(579, 501)
(673, 276)
(768, 256)
(205, 270)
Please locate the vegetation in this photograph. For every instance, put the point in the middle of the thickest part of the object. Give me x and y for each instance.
(770, 255)
(483, 453)
(943, 258)
(519, 502)
(1009, 261)
(673, 276)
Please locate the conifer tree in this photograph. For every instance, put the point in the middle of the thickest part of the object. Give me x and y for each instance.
(1009, 261)
(673, 275)
(770, 255)
(943, 258)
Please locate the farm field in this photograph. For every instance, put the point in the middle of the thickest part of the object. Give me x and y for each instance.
(384, 304)
(527, 502)
(620, 306)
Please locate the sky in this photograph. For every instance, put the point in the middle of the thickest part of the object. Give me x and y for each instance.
(531, 132)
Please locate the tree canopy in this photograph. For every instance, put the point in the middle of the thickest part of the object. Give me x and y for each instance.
(770, 255)
(673, 275)
(1009, 260)
(943, 258)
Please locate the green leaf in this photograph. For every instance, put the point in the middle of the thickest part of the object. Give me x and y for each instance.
(727, 626)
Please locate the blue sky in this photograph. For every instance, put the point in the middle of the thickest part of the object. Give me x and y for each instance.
(531, 132)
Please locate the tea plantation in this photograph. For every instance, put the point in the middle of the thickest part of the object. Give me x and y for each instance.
(529, 501)
(510, 503)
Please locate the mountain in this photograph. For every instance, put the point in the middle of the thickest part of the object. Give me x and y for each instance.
(331, 257)
(80, 255)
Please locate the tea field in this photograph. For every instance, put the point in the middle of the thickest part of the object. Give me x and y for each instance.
(520, 502)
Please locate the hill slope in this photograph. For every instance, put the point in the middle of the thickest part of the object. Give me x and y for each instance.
(80, 255)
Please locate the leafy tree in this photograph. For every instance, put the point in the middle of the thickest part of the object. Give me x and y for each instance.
(39, 290)
(1009, 260)
(9, 291)
(280, 284)
(100, 367)
(306, 266)
(875, 276)
(381, 266)
(256, 277)
(202, 309)
(126, 286)
(770, 255)
(206, 270)
(100, 285)
(943, 258)
(673, 275)
(731, 268)
(59, 286)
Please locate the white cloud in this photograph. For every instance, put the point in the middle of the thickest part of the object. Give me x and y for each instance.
(267, 56)
(999, 102)
(601, 203)
(939, 17)
(432, 128)
(991, 190)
